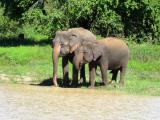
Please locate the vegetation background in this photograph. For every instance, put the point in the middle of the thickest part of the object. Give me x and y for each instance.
(28, 26)
(37, 19)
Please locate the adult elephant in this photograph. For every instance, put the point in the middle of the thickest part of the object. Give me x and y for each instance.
(109, 54)
(64, 44)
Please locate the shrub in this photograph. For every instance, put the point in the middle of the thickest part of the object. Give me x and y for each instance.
(134, 19)
(97, 15)
(108, 23)
(36, 22)
(8, 27)
(140, 19)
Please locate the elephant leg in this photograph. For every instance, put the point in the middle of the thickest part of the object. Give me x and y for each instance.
(103, 69)
(114, 75)
(82, 75)
(122, 74)
(74, 77)
(92, 71)
(65, 71)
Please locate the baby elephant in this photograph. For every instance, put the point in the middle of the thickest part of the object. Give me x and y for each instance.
(109, 54)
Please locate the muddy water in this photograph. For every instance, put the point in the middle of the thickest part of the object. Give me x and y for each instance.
(18, 102)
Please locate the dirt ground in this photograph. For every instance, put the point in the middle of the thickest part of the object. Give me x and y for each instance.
(29, 102)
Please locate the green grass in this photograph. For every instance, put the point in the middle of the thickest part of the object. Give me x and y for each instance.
(31, 60)
(142, 78)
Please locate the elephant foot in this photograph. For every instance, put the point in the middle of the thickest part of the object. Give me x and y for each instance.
(113, 83)
(82, 82)
(91, 87)
(121, 84)
(55, 85)
(74, 85)
(55, 82)
(66, 83)
(110, 82)
(105, 83)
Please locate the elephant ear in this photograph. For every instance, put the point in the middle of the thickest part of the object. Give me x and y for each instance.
(87, 53)
(97, 51)
(56, 39)
(74, 42)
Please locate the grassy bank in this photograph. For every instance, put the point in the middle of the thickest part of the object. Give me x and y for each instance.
(143, 74)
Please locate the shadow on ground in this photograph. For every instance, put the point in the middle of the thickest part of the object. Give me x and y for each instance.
(49, 82)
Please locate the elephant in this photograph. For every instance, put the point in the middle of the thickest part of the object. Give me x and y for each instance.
(110, 53)
(64, 44)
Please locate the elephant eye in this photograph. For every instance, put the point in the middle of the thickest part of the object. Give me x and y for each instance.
(85, 52)
(73, 35)
(62, 44)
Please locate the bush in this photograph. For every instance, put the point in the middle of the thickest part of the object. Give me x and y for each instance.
(109, 23)
(8, 27)
(94, 14)
(36, 22)
(134, 18)
(138, 20)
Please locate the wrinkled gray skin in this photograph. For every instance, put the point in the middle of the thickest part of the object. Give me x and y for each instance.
(109, 54)
(64, 44)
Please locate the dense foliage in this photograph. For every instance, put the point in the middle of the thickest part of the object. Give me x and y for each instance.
(138, 20)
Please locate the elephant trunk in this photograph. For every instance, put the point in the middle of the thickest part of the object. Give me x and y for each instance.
(77, 60)
(55, 54)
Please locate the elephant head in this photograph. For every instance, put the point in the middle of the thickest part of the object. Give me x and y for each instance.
(87, 53)
(66, 42)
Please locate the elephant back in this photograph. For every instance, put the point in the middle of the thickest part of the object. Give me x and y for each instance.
(84, 34)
